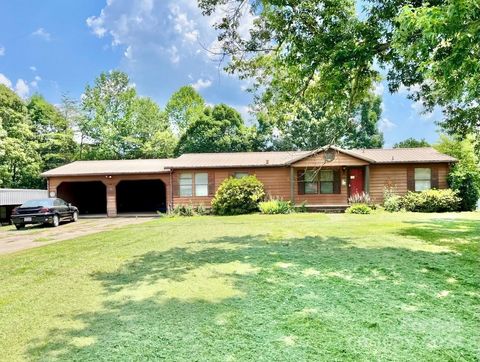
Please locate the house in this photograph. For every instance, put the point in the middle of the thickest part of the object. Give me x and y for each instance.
(11, 198)
(322, 178)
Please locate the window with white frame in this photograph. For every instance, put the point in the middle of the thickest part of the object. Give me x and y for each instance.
(311, 184)
(201, 184)
(186, 185)
(240, 174)
(423, 179)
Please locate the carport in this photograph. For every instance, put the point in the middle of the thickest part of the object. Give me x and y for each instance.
(141, 196)
(112, 186)
(89, 196)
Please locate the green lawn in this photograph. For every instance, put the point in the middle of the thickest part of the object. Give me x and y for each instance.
(290, 287)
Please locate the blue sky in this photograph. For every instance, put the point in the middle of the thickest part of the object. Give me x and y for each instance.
(56, 47)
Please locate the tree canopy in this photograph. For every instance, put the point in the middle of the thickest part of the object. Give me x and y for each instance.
(321, 58)
(412, 143)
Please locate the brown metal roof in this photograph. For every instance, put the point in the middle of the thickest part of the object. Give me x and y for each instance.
(236, 159)
(109, 167)
(241, 159)
(403, 155)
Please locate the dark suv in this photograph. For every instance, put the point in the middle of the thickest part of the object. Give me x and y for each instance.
(44, 211)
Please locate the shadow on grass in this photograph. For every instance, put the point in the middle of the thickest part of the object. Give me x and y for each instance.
(252, 297)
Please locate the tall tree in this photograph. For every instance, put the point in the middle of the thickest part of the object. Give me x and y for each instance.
(183, 108)
(52, 132)
(108, 107)
(318, 57)
(220, 129)
(412, 143)
(19, 161)
(117, 124)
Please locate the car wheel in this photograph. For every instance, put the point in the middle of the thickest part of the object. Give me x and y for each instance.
(19, 226)
(55, 221)
(75, 216)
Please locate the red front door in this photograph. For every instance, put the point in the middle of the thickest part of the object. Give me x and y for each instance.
(356, 181)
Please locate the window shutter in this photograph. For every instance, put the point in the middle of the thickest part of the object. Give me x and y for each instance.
(211, 183)
(336, 182)
(176, 185)
(410, 178)
(300, 182)
(434, 178)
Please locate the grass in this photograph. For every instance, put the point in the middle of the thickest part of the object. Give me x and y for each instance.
(282, 287)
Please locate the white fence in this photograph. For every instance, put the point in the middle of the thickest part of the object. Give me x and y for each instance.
(19, 196)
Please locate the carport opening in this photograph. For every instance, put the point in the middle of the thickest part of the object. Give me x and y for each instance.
(141, 196)
(90, 197)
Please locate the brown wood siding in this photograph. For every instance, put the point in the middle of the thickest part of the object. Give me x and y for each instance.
(382, 176)
(275, 179)
(341, 159)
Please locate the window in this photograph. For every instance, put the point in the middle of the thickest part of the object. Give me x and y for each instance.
(201, 184)
(240, 174)
(186, 185)
(423, 179)
(311, 184)
(326, 182)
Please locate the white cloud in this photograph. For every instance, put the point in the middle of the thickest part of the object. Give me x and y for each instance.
(43, 34)
(21, 88)
(33, 68)
(385, 124)
(2, 51)
(202, 83)
(5, 81)
(96, 24)
(128, 52)
(379, 89)
(174, 57)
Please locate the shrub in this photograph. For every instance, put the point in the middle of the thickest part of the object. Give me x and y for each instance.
(302, 207)
(359, 209)
(238, 196)
(466, 183)
(183, 210)
(431, 201)
(363, 198)
(276, 207)
(393, 203)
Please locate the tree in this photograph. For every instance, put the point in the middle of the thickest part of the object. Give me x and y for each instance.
(319, 57)
(19, 161)
(412, 143)
(309, 133)
(117, 124)
(465, 174)
(52, 132)
(184, 107)
(220, 129)
(108, 108)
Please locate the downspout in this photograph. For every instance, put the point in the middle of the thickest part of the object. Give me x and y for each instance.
(292, 185)
(171, 189)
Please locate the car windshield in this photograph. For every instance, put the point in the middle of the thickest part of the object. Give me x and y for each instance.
(40, 203)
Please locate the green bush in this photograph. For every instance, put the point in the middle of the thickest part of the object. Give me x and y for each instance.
(431, 201)
(302, 207)
(466, 183)
(183, 210)
(393, 203)
(359, 209)
(238, 196)
(276, 207)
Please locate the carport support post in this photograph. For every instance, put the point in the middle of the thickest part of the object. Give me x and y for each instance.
(111, 186)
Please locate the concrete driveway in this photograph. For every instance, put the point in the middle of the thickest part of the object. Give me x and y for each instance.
(12, 240)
